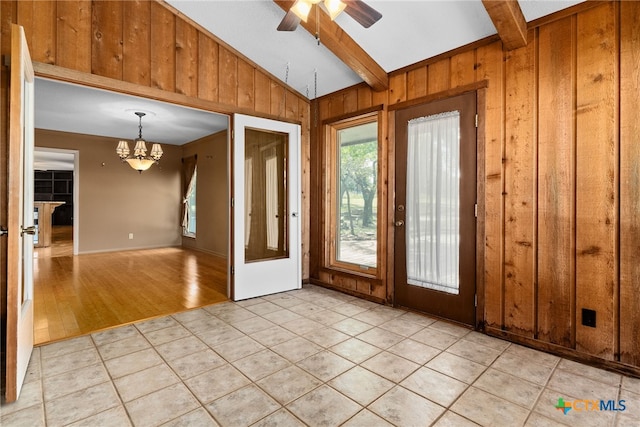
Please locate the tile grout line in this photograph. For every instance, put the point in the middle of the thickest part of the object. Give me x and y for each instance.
(449, 408)
(113, 385)
(544, 387)
(168, 365)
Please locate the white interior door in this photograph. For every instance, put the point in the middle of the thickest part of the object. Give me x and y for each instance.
(266, 212)
(20, 216)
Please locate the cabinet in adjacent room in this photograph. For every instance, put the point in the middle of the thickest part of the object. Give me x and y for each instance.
(57, 186)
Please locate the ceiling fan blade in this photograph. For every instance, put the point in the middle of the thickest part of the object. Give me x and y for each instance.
(361, 12)
(289, 22)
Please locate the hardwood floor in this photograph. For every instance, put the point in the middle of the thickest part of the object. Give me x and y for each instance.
(61, 243)
(76, 295)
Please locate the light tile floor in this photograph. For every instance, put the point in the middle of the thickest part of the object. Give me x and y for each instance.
(308, 357)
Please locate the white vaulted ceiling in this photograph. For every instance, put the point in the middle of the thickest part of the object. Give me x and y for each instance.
(409, 31)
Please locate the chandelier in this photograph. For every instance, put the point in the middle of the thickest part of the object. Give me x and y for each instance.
(139, 160)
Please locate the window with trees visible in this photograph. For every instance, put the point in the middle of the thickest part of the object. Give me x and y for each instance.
(353, 212)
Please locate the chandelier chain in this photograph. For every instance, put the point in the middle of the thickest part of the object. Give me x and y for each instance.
(315, 96)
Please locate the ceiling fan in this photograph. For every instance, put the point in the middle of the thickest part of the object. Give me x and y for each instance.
(364, 14)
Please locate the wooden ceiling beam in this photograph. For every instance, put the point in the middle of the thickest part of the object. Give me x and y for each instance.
(344, 47)
(508, 19)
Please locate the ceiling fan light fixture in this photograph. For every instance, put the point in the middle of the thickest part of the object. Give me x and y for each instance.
(301, 8)
(362, 13)
(334, 8)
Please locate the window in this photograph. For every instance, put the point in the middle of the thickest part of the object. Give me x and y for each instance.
(191, 206)
(189, 178)
(353, 213)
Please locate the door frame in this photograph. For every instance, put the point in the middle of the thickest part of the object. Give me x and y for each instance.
(76, 189)
(480, 88)
(60, 74)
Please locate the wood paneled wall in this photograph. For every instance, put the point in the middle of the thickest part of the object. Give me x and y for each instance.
(561, 177)
(149, 48)
(147, 43)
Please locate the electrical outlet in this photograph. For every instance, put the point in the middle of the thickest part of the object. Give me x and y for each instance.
(130, 236)
(589, 317)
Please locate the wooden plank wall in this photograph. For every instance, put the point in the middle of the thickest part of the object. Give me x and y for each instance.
(562, 177)
(143, 42)
(629, 219)
(597, 178)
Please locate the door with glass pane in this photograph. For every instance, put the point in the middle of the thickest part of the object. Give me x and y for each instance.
(266, 207)
(434, 218)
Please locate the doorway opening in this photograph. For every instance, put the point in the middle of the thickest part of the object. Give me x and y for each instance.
(55, 184)
(130, 260)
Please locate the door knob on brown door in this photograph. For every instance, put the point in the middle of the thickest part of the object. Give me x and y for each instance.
(399, 223)
(28, 230)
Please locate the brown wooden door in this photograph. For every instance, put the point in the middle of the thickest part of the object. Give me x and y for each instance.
(435, 235)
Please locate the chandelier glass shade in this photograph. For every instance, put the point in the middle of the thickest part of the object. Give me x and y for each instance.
(139, 160)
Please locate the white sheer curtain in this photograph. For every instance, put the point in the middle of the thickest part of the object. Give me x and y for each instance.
(433, 184)
(271, 172)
